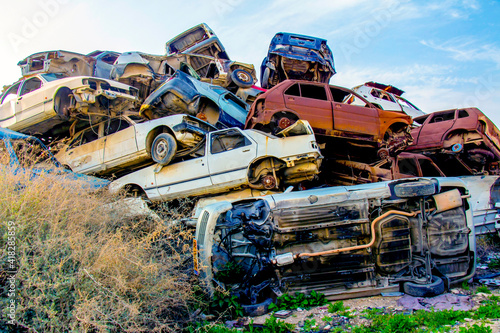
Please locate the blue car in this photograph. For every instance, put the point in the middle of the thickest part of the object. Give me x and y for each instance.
(22, 153)
(297, 57)
(183, 93)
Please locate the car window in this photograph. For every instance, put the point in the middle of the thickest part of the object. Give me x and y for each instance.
(340, 95)
(228, 140)
(313, 91)
(109, 58)
(428, 168)
(443, 116)
(463, 114)
(407, 166)
(4, 154)
(90, 135)
(52, 76)
(11, 92)
(30, 85)
(233, 99)
(293, 90)
(115, 125)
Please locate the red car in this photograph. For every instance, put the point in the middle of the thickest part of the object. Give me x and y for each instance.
(332, 112)
(464, 135)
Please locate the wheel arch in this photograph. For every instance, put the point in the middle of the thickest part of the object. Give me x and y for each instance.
(61, 101)
(154, 133)
(258, 160)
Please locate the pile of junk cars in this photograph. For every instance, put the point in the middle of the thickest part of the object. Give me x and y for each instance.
(301, 185)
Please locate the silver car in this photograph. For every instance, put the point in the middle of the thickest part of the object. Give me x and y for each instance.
(122, 144)
(414, 235)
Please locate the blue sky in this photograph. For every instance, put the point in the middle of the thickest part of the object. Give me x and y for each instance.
(444, 54)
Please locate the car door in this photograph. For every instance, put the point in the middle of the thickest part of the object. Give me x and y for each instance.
(86, 151)
(234, 112)
(230, 154)
(185, 178)
(8, 106)
(383, 100)
(31, 102)
(120, 146)
(349, 116)
(437, 124)
(311, 102)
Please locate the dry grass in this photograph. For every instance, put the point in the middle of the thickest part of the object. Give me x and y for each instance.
(86, 268)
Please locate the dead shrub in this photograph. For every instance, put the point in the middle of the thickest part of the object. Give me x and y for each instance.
(84, 267)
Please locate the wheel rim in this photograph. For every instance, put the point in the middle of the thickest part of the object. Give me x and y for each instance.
(161, 148)
(284, 123)
(269, 182)
(243, 76)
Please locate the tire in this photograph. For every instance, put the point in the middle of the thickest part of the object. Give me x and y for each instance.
(163, 148)
(414, 189)
(265, 78)
(436, 287)
(242, 78)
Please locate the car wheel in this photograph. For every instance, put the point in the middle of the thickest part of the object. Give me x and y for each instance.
(414, 189)
(242, 78)
(163, 148)
(436, 287)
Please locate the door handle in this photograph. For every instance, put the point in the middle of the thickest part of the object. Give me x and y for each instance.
(246, 150)
(20, 98)
(291, 99)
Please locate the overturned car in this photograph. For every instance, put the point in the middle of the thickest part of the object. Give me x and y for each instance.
(413, 235)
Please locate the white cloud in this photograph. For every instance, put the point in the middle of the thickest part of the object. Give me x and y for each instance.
(467, 49)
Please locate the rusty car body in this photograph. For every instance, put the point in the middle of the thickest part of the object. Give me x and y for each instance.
(121, 144)
(97, 63)
(42, 101)
(182, 93)
(198, 40)
(294, 56)
(405, 165)
(333, 112)
(414, 235)
(387, 97)
(230, 159)
(466, 136)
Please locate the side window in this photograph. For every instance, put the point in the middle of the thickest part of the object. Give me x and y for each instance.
(407, 166)
(228, 140)
(428, 168)
(293, 90)
(313, 91)
(90, 135)
(30, 85)
(463, 114)
(10, 93)
(443, 116)
(115, 125)
(109, 58)
(340, 96)
(4, 154)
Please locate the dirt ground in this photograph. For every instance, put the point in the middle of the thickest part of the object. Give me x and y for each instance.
(388, 303)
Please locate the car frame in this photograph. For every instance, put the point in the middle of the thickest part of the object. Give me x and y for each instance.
(183, 93)
(38, 103)
(464, 135)
(404, 165)
(122, 144)
(294, 56)
(387, 97)
(345, 242)
(333, 112)
(230, 159)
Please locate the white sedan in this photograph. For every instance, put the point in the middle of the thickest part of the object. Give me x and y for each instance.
(40, 102)
(231, 159)
(123, 143)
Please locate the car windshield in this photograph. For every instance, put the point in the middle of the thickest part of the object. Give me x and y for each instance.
(52, 76)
